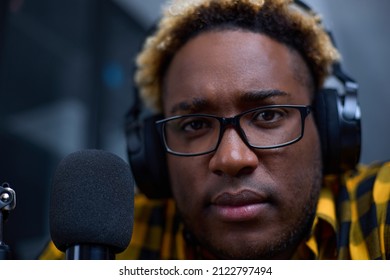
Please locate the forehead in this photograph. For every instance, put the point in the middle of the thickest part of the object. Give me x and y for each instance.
(224, 65)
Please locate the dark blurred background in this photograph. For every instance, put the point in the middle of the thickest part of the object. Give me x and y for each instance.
(66, 84)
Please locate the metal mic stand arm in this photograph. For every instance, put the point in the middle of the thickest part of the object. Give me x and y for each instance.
(7, 203)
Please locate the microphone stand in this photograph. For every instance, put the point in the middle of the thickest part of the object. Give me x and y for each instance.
(7, 203)
(4, 248)
(89, 252)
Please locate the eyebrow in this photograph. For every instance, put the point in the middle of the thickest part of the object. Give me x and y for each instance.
(201, 104)
(197, 104)
(261, 95)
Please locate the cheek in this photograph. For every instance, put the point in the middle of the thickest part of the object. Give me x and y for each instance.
(308, 163)
(186, 179)
(310, 146)
(297, 168)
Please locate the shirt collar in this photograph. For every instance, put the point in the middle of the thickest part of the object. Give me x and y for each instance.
(325, 222)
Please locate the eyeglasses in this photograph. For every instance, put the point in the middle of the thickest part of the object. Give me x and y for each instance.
(265, 127)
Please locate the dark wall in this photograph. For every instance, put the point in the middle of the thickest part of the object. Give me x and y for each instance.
(65, 85)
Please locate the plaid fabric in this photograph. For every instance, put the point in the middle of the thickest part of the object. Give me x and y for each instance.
(352, 222)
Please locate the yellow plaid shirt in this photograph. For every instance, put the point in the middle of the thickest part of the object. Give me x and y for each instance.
(352, 222)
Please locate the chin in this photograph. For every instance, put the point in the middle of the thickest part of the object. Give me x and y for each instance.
(249, 249)
(239, 242)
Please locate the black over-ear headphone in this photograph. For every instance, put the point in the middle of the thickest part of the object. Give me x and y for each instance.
(337, 114)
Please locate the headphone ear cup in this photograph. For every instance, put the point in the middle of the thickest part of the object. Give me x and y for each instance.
(147, 157)
(340, 135)
(327, 118)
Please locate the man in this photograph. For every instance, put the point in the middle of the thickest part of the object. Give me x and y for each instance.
(237, 83)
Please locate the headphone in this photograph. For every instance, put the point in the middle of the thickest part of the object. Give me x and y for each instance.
(336, 111)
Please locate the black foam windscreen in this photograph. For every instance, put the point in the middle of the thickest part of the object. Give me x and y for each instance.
(92, 201)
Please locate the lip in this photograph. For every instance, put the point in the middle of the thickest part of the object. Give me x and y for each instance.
(242, 206)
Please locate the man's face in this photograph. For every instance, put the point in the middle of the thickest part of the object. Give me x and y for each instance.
(241, 202)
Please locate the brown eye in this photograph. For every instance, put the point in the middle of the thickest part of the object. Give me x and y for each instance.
(268, 116)
(194, 125)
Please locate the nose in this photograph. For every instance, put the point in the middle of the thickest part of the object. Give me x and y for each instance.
(233, 157)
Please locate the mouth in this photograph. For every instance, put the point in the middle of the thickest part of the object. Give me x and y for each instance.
(242, 206)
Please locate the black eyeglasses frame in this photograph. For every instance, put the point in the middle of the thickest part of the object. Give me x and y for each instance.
(234, 122)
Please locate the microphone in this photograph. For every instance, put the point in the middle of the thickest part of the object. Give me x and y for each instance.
(92, 205)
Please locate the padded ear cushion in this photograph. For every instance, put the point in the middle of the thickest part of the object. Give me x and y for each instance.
(147, 157)
(327, 118)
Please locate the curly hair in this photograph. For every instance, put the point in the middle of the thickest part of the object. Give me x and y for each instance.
(184, 19)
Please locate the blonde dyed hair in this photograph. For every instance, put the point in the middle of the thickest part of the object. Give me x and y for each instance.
(184, 19)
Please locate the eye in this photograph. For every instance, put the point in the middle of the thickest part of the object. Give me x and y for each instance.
(194, 125)
(267, 118)
(269, 115)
